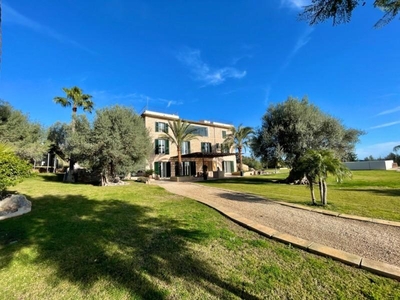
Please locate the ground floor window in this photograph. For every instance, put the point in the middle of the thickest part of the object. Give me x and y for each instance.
(228, 166)
(162, 169)
(188, 168)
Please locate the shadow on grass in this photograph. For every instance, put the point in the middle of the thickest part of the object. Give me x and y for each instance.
(379, 191)
(246, 180)
(86, 240)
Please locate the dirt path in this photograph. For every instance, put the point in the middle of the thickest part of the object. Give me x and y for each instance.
(375, 241)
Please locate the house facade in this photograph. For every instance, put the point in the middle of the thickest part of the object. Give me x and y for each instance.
(206, 150)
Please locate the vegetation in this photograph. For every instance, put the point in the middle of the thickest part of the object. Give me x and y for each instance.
(77, 99)
(239, 139)
(181, 132)
(340, 10)
(291, 128)
(27, 138)
(119, 142)
(252, 162)
(12, 169)
(373, 194)
(316, 165)
(140, 242)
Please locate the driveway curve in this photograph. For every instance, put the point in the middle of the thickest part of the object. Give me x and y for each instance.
(371, 240)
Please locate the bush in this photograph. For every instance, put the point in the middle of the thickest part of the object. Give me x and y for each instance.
(12, 170)
(149, 172)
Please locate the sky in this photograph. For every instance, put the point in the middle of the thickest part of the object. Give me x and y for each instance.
(224, 61)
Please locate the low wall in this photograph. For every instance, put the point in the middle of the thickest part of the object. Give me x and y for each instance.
(370, 165)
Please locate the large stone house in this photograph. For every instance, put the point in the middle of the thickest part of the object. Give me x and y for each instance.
(206, 150)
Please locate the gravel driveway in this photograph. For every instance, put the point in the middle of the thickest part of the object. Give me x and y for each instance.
(375, 241)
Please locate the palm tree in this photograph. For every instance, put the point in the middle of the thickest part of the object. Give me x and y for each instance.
(397, 148)
(239, 138)
(181, 131)
(76, 99)
(317, 165)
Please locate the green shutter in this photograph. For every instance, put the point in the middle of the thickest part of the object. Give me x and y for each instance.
(156, 144)
(223, 134)
(188, 147)
(166, 146)
(232, 166)
(156, 126)
(157, 168)
(202, 147)
(166, 128)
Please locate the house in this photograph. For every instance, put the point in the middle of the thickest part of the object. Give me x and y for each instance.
(206, 150)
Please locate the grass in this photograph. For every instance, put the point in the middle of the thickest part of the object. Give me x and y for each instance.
(374, 194)
(140, 242)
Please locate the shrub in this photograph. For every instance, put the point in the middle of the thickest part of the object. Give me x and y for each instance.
(12, 169)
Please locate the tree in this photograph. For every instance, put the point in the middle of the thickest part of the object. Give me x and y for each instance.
(396, 148)
(239, 138)
(316, 165)
(252, 162)
(340, 11)
(12, 168)
(77, 99)
(295, 126)
(119, 143)
(181, 131)
(27, 138)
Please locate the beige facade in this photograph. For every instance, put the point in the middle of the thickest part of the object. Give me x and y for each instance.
(207, 149)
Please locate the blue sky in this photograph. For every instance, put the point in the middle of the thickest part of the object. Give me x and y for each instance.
(223, 61)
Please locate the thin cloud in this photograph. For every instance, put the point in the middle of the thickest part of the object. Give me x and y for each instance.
(133, 98)
(12, 16)
(389, 111)
(385, 125)
(303, 40)
(297, 4)
(377, 150)
(191, 58)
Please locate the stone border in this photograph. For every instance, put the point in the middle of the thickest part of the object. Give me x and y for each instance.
(354, 260)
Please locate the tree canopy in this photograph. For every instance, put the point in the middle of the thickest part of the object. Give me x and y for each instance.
(294, 126)
(340, 11)
(27, 138)
(181, 131)
(239, 139)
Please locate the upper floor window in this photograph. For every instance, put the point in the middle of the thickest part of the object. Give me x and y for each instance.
(224, 134)
(206, 147)
(161, 146)
(185, 148)
(200, 131)
(161, 127)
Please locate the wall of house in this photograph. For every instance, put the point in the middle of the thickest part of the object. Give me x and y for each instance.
(370, 165)
(215, 137)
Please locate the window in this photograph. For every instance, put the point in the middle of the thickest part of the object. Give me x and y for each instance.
(224, 134)
(200, 131)
(225, 148)
(161, 127)
(162, 147)
(185, 148)
(206, 147)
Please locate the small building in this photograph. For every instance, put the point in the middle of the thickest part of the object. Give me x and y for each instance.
(206, 150)
(370, 165)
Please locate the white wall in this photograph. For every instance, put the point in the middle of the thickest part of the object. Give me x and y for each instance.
(370, 165)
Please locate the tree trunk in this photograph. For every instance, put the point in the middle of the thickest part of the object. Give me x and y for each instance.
(311, 184)
(325, 193)
(321, 193)
(179, 161)
(240, 159)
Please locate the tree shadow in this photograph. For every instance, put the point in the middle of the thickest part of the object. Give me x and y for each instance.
(86, 240)
(382, 192)
(247, 180)
(241, 197)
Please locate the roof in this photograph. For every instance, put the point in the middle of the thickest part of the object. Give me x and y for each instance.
(204, 155)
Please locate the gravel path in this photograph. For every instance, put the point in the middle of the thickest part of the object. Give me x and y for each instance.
(375, 241)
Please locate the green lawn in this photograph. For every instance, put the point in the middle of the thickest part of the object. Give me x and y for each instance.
(140, 242)
(374, 194)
